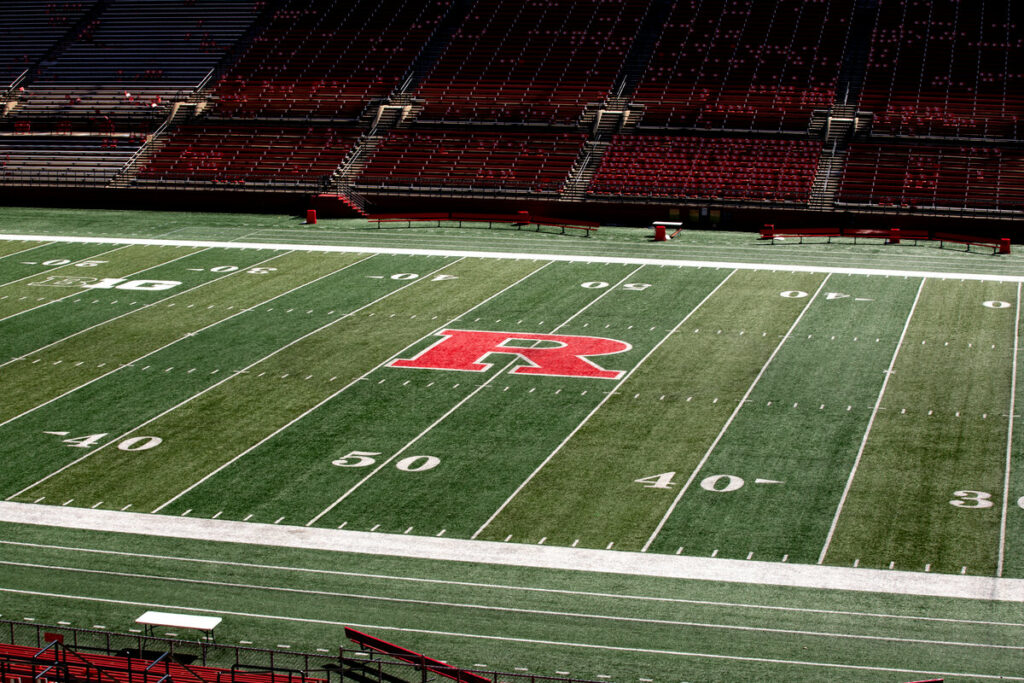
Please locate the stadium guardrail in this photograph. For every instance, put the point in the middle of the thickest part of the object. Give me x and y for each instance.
(334, 667)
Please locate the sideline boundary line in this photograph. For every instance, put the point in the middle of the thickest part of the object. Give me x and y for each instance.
(521, 256)
(515, 639)
(521, 555)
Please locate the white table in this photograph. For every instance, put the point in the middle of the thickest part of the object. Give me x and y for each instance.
(172, 620)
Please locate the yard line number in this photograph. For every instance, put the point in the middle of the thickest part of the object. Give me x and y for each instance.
(413, 463)
(132, 443)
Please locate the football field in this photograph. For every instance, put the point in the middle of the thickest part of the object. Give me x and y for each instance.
(812, 415)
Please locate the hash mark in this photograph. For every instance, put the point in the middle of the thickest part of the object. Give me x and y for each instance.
(892, 565)
(575, 543)
(714, 553)
(508, 538)
(375, 527)
(610, 544)
(38, 499)
(219, 513)
(541, 541)
(750, 555)
(441, 532)
(785, 558)
(247, 518)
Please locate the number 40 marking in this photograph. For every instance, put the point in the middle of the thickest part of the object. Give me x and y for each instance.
(132, 443)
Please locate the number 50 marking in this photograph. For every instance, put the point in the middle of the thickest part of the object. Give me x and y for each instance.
(414, 463)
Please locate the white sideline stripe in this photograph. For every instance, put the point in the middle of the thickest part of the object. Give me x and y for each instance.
(458, 405)
(520, 555)
(728, 265)
(1009, 439)
(142, 308)
(732, 416)
(332, 396)
(223, 381)
(513, 639)
(867, 430)
(596, 408)
(506, 587)
(514, 610)
(172, 343)
(79, 291)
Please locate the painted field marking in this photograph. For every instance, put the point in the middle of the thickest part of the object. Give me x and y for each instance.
(186, 336)
(136, 310)
(27, 249)
(486, 383)
(674, 653)
(574, 258)
(1009, 438)
(728, 422)
(65, 265)
(600, 405)
(867, 430)
(501, 608)
(78, 292)
(226, 379)
(339, 391)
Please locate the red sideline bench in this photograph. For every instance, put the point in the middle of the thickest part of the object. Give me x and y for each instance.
(999, 245)
(523, 218)
(369, 642)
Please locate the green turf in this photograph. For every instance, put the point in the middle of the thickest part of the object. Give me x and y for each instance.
(942, 430)
(552, 620)
(254, 389)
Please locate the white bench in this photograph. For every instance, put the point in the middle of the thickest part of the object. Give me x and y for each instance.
(171, 620)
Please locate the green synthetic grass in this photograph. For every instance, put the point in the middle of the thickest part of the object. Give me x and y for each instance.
(252, 385)
(301, 599)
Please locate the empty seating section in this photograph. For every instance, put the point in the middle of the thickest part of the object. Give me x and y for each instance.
(738, 64)
(531, 60)
(537, 162)
(947, 68)
(135, 56)
(49, 159)
(29, 28)
(327, 59)
(707, 168)
(926, 176)
(237, 154)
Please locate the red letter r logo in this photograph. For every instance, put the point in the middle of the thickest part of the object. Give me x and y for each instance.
(466, 349)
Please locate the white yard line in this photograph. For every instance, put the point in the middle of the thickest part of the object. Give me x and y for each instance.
(520, 555)
(82, 292)
(629, 597)
(54, 240)
(533, 612)
(458, 405)
(525, 256)
(230, 377)
(867, 430)
(1009, 438)
(179, 339)
(140, 308)
(332, 396)
(732, 416)
(511, 639)
(596, 408)
(26, 250)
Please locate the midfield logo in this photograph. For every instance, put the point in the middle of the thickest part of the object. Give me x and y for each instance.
(545, 354)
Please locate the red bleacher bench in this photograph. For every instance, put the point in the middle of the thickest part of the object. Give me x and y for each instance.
(999, 245)
(436, 666)
(519, 220)
(772, 233)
